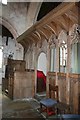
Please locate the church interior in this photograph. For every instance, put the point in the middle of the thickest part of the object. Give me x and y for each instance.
(39, 48)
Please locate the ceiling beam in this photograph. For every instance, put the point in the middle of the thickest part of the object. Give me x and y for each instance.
(37, 33)
(44, 32)
(62, 22)
(68, 21)
(59, 10)
(34, 37)
(74, 17)
(30, 39)
(52, 27)
(23, 44)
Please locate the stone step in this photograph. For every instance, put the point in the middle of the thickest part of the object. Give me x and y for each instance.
(40, 96)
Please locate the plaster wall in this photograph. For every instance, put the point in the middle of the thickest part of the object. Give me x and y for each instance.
(15, 14)
(32, 54)
(13, 48)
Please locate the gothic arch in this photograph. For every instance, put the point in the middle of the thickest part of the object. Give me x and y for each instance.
(32, 14)
(42, 65)
(38, 54)
(6, 23)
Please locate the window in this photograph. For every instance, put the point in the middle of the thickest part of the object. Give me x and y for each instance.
(4, 2)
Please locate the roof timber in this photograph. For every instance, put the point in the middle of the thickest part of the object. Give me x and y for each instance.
(37, 33)
(23, 43)
(72, 16)
(31, 40)
(69, 22)
(59, 18)
(58, 11)
(28, 38)
(52, 28)
(35, 37)
(46, 33)
(42, 33)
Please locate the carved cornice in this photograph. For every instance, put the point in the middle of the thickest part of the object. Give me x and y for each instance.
(75, 34)
(52, 41)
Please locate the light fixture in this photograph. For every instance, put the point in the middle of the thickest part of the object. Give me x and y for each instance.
(4, 2)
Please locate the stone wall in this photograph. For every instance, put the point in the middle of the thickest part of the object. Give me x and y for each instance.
(12, 48)
(31, 56)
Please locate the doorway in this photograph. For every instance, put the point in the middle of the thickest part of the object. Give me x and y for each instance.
(41, 73)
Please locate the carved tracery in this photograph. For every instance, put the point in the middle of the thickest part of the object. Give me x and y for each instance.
(75, 34)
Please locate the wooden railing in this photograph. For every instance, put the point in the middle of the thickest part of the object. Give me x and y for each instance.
(69, 89)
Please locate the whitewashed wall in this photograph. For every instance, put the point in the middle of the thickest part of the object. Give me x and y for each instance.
(13, 48)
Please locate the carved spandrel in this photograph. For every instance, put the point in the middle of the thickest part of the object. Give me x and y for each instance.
(75, 34)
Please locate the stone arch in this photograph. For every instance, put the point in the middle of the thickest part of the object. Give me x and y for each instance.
(37, 55)
(33, 13)
(37, 11)
(6, 23)
(41, 51)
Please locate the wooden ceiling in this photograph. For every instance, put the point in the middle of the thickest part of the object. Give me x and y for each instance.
(63, 17)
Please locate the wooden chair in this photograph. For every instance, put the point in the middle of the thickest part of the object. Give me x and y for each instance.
(49, 103)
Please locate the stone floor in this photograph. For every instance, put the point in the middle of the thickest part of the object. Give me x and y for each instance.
(21, 109)
(26, 108)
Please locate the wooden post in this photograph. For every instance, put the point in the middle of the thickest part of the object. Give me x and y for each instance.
(48, 69)
(68, 70)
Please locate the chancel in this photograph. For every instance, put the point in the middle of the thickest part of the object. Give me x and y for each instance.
(40, 54)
